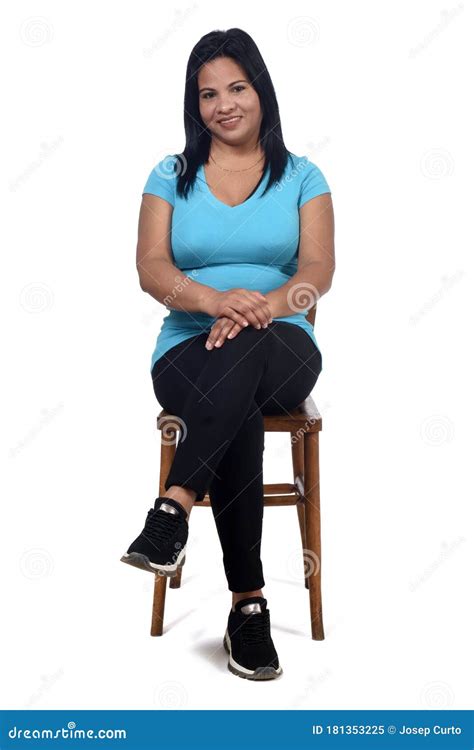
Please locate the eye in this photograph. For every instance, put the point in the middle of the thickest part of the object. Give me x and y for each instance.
(237, 87)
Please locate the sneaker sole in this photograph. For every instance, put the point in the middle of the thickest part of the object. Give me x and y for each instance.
(261, 673)
(138, 560)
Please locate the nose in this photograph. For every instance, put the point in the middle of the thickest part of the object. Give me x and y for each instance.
(224, 110)
(225, 105)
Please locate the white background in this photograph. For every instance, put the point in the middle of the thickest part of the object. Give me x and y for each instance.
(377, 96)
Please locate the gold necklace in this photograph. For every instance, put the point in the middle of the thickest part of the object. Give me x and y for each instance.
(236, 170)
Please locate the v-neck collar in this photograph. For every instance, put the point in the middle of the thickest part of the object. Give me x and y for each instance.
(201, 173)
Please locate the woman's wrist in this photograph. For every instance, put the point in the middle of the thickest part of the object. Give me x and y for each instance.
(272, 303)
(205, 299)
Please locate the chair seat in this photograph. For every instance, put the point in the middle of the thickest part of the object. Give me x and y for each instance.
(305, 415)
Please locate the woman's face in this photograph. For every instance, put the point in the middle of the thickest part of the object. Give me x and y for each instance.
(224, 92)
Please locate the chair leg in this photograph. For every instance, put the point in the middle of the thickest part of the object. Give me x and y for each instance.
(159, 595)
(301, 520)
(168, 449)
(297, 454)
(313, 532)
(175, 582)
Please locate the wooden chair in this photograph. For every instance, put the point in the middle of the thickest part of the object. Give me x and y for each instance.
(304, 424)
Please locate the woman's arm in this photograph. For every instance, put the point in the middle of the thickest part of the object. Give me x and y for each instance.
(156, 271)
(316, 260)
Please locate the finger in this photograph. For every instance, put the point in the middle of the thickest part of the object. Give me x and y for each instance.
(264, 307)
(214, 334)
(259, 313)
(237, 316)
(246, 306)
(234, 331)
(222, 337)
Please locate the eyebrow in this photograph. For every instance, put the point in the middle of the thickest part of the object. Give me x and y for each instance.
(208, 88)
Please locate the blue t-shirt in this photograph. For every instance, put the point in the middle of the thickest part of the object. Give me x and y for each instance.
(253, 245)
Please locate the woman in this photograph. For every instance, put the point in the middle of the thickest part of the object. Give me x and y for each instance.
(236, 238)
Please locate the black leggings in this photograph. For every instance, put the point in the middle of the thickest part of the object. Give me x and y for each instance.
(220, 397)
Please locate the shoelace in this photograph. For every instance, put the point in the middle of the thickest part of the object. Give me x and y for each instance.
(161, 525)
(256, 629)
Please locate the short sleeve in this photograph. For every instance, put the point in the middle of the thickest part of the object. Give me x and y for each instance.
(313, 183)
(162, 180)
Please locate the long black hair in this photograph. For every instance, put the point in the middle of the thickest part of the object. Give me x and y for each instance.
(240, 46)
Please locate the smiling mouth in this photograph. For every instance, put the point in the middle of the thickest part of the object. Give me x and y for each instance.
(229, 120)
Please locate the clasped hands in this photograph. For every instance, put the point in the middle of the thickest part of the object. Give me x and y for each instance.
(235, 310)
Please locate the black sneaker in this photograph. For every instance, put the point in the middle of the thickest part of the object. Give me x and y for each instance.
(161, 546)
(248, 641)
